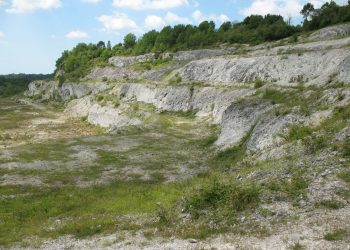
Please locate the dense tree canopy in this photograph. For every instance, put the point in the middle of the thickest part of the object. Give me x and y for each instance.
(329, 14)
(253, 29)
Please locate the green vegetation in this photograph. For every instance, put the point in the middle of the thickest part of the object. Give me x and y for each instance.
(254, 29)
(175, 79)
(329, 14)
(297, 246)
(157, 63)
(337, 234)
(222, 201)
(329, 204)
(345, 175)
(16, 84)
(95, 209)
(258, 83)
(75, 64)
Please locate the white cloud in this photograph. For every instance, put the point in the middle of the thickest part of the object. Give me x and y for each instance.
(282, 7)
(22, 6)
(149, 4)
(200, 17)
(173, 18)
(119, 22)
(90, 1)
(286, 8)
(76, 34)
(154, 22)
(2, 35)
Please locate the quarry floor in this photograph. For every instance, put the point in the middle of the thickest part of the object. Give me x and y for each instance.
(67, 185)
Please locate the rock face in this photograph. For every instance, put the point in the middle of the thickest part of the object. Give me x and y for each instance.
(238, 120)
(268, 130)
(202, 101)
(214, 86)
(51, 90)
(166, 98)
(197, 54)
(80, 107)
(123, 61)
(331, 32)
(110, 117)
(316, 68)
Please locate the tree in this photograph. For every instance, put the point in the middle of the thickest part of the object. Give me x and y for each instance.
(101, 44)
(129, 41)
(226, 26)
(307, 10)
(109, 46)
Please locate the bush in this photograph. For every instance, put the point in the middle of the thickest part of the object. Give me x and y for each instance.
(228, 198)
(258, 83)
(176, 79)
(297, 132)
(330, 204)
(338, 234)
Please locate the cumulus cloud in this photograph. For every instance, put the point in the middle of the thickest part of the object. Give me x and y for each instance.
(77, 34)
(286, 8)
(198, 16)
(149, 4)
(119, 22)
(90, 1)
(22, 6)
(173, 18)
(154, 22)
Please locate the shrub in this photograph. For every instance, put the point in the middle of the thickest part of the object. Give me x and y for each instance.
(338, 234)
(176, 79)
(258, 83)
(100, 98)
(297, 132)
(345, 175)
(330, 204)
(228, 198)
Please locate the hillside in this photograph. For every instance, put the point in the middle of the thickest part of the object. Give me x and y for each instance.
(239, 147)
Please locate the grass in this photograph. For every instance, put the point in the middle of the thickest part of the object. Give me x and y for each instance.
(258, 83)
(297, 246)
(298, 132)
(293, 189)
(329, 204)
(225, 199)
(85, 211)
(338, 234)
(175, 79)
(345, 175)
(151, 65)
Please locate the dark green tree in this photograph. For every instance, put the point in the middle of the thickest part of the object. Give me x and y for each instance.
(307, 11)
(129, 41)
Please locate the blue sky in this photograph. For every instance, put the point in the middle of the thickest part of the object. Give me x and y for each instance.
(33, 33)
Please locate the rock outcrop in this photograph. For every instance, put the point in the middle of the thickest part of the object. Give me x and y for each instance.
(331, 32)
(314, 68)
(123, 61)
(110, 117)
(214, 85)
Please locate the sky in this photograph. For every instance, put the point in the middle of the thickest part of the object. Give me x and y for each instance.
(34, 33)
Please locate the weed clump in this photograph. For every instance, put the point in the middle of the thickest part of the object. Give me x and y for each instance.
(258, 83)
(176, 79)
(218, 200)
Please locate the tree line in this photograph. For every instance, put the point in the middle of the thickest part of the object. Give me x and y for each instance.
(254, 29)
(17, 83)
